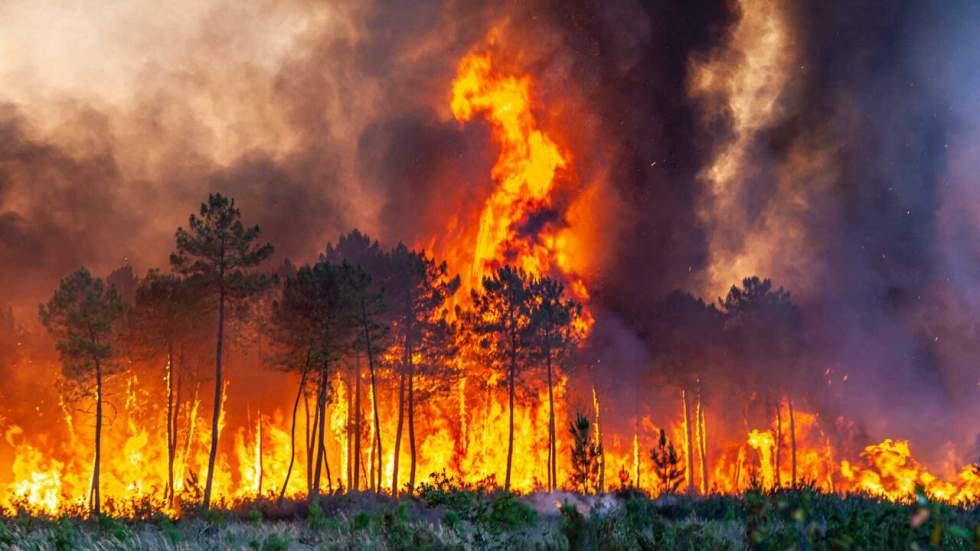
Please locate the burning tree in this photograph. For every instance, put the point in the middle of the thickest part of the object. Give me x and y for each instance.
(763, 329)
(164, 319)
(553, 337)
(369, 314)
(585, 455)
(82, 317)
(367, 308)
(314, 319)
(219, 253)
(502, 319)
(667, 464)
(419, 290)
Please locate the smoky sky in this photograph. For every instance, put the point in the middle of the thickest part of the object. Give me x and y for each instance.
(869, 159)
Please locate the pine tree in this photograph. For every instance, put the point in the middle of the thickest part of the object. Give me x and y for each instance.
(667, 465)
(501, 319)
(164, 318)
(218, 253)
(585, 455)
(82, 316)
(554, 336)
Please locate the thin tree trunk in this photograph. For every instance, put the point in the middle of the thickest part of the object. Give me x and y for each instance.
(321, 403)
(552, 469)
(598, 440)
(310, 438)
(292, 432)
(510, 432)
(398, 430)
(96, 497)
(357, 424)
(173, 495)
(411, 423)
(349, 432)
(702, 443)
(779, 441)
(792, 439)
(217, 387)
(171, 436)
(690, 442)
(377, 454)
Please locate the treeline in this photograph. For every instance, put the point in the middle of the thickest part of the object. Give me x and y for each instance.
(392, 309)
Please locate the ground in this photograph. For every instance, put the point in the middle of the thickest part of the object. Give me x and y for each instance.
(445, 516)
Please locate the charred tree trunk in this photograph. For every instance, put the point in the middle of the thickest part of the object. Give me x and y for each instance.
(398, 430)
(171, 436)
(690, 442)
(357, 423)
(310, 439)
(510, 431)
(703, 444)
(779, 441)
(552, 469)
(376, 445)
(96, 496)
(321, 404)
(292, 431)
(792, 440)
(216, 418)
(411, 423)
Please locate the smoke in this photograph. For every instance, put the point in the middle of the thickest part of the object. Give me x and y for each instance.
(831, 148)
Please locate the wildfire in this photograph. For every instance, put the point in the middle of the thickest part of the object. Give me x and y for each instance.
(462, 431)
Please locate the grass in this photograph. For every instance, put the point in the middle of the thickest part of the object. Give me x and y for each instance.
(444, 515)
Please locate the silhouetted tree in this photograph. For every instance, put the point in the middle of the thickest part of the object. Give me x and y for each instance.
(418, 291)
(764, 332)
(367, 284)
(219, 254)
(164, 317)
(82, 317)
(553, 338)
(585, 455)
(501, 318)
(367, 308)
(667, 465)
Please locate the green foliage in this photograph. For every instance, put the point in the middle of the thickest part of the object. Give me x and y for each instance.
(493, 510)
(82, 317)
(315, 519)
(276, 541)
(64, 534)
(667, 465)
(585, 455)
(218, 251)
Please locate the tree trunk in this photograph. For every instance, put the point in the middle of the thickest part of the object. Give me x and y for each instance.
(398, 430)
(310, 440)
(376, 454)
(292, 432)
(510, 432)
(96, 497)
(171, 436)
(792, 440)
(779, 441)
(702, 444)
(411, 422)
(690, 442)
(321, 404)
(552, 470)
(357, 423)
(217, 388)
